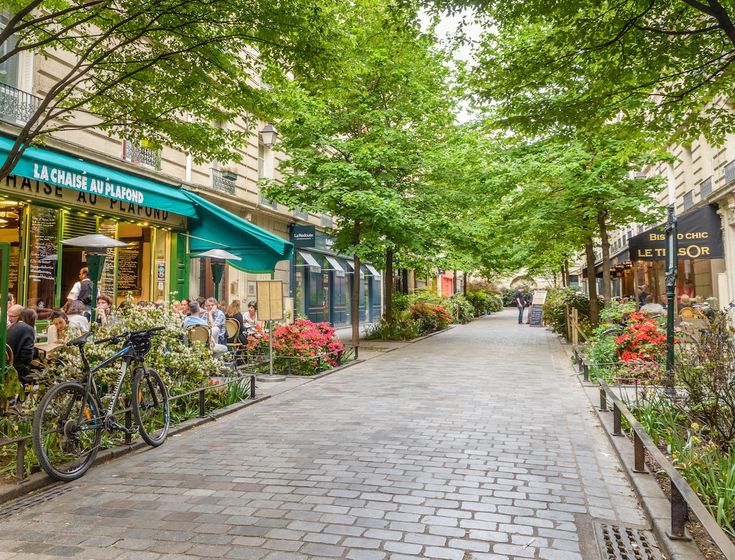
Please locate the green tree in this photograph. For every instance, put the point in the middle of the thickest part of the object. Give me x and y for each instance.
(165, 70)
(664, 65)
(558, 194)
(357, 134)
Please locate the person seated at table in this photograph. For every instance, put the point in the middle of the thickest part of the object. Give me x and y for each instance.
(233, 312)
(216, 320)
(194, 317)
(21, 338)
(14, 313)
(58, 328)
(250, 320)
(104, 306)
(77, 318)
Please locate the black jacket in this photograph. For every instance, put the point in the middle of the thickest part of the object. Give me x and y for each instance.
(22, 338)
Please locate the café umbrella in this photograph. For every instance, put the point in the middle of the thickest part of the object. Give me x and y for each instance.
(218, 256)
(95, 245)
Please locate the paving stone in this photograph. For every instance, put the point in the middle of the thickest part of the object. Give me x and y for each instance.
(497, 456)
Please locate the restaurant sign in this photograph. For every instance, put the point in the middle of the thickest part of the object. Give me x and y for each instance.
(699, 235)
(24, 188)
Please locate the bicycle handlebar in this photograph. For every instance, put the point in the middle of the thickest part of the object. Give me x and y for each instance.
(126, 335)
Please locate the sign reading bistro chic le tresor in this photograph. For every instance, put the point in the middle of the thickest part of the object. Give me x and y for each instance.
(89, 201)
(699, 235)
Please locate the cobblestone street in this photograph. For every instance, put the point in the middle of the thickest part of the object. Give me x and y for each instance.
(477, 443)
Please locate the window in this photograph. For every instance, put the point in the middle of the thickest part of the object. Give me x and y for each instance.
(10, 69)
(327, 220)
(265, 162)
(688, 200)
(705, 188)
(300, 214)
(730, 172)
(142, 153)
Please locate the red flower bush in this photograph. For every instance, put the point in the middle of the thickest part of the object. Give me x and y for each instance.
(303, 339)
(642, 340)
(430, 317)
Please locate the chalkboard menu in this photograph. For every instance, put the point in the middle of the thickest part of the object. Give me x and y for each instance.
(129, 261)
(537, 316)
(44, 231)
(107, 281)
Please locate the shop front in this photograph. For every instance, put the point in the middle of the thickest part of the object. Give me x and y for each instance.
(322, 281)
(51, 197)
(700, 259)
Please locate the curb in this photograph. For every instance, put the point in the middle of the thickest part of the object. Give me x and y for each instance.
(41, 480)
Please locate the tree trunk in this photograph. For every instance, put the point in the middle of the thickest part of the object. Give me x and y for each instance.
(404, 281)
(566, 272)
(388, 286)
(464, 284)
(605, 244)
(563, 277)
(589, 250)
(356, 288)
(454, 283)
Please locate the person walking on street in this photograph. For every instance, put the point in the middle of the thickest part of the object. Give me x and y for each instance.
(520, 298)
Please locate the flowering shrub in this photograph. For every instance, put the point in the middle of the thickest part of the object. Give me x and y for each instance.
(307, 345)
(642, 340)
(430, 318)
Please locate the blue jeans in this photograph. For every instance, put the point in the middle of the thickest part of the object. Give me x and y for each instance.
(520, 314)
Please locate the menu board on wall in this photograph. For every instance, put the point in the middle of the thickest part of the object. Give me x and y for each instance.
(14, 270)
(129, 261)
(107, 281)
(43, 245)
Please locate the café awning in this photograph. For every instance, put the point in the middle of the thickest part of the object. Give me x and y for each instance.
(54, 168)
(216, 228)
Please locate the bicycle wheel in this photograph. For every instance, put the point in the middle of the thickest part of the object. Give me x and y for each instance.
(67, 429)
(150, 406)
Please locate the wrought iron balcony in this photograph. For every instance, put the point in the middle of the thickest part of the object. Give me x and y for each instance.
(137, 154)
(224, 181)
(16, 106)
(730, 172)
(264, 201)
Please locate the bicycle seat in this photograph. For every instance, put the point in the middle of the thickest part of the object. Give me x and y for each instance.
(80, 341)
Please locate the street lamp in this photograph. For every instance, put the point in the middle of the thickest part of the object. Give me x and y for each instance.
(219, 257)
(672, 248)
(268, 135)
(95, 245)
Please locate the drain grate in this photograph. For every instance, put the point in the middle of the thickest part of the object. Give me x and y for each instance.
(22, 504)
(620, 542)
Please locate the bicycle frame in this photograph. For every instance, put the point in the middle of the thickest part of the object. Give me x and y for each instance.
(126, 355)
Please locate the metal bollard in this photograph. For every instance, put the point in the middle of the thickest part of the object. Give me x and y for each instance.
(252, 386)
(20, 461)
(603, 400)
(616, 421)
(128, 426)
(202, 404)
(639, 458)
(679, 516)
(586, 373)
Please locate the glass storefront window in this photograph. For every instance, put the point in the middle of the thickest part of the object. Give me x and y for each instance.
(43, 245)
(697, 279)
(160, 269)
(10, 222)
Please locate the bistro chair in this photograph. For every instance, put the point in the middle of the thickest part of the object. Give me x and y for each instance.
(198, 333)
(234, 345)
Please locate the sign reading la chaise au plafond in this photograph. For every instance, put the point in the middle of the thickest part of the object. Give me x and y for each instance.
(699, 235)
(36, 190)
(82, 182)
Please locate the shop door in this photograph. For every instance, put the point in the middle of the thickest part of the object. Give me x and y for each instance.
(73, 258)
(180, 283)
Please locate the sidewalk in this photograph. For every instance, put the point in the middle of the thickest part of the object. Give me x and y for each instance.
(474, 444)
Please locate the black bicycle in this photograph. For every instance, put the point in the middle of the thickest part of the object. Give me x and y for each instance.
(68, 425)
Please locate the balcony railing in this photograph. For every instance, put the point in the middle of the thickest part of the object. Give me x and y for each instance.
(137, 154)
(265, 201)
(16, 106)
(705, 188)
(224, 181)
(300, 214)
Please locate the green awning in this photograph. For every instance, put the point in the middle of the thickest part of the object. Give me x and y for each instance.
(216, 228)
(78, 174)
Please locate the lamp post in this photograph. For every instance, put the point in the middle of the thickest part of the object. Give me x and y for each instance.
(672, 248)
(218, 258)
(95, 245)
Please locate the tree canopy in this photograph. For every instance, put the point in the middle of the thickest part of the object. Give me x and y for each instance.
(167, 70)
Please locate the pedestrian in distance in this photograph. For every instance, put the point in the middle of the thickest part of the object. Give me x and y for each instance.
(520, 298)
(642, 295)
